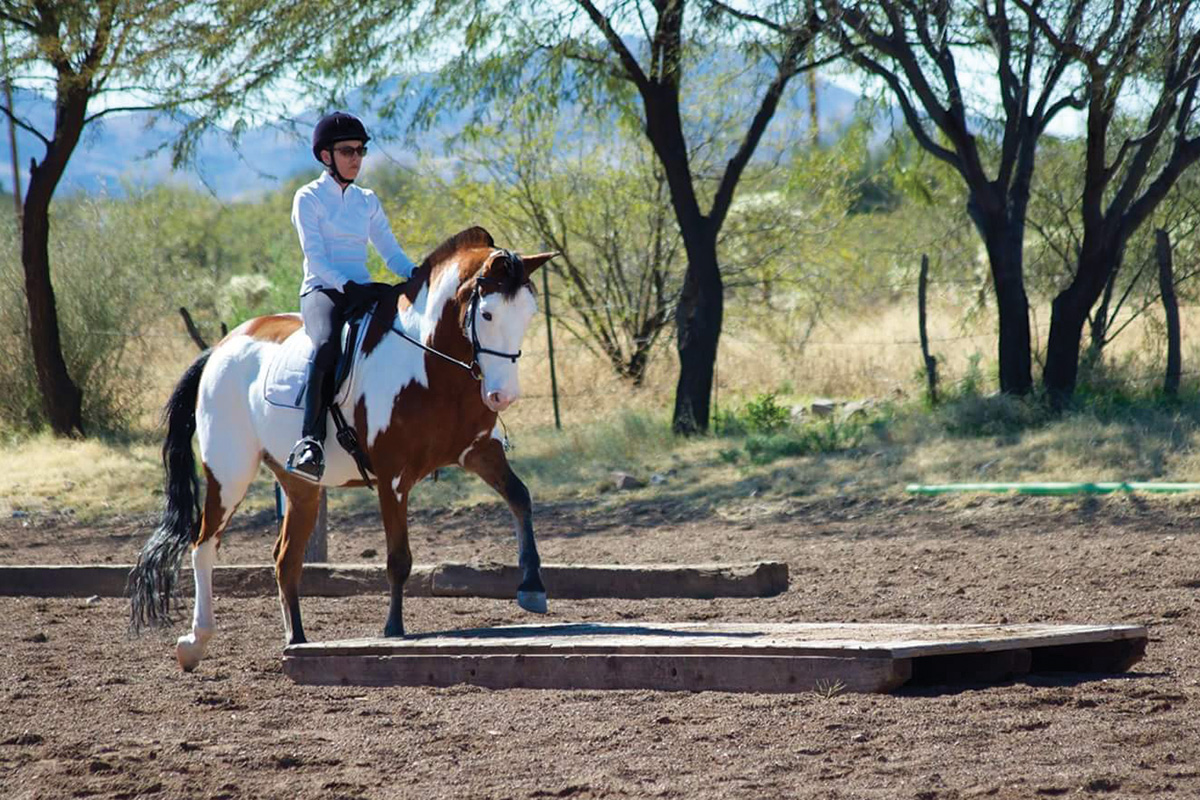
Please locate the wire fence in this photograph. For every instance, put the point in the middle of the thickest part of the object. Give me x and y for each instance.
(581, 364)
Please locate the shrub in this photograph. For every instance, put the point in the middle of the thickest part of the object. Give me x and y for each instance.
(826, 436)
(111, 281)
(764, 415)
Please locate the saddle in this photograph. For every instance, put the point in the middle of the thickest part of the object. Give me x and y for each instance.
(287, 373)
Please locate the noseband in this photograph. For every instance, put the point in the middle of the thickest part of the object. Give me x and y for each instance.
(477, 348)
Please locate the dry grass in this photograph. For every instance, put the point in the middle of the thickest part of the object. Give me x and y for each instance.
(610, 426)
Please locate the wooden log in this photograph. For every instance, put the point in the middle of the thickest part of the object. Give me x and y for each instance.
(564, 581)
(633, 582)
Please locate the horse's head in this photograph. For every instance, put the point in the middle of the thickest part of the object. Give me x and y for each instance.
(497, 304)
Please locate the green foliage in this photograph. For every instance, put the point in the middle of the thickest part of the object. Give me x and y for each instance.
(113, 278)
(763, 414)
(824, 436)
(770, 433)
(602, 202)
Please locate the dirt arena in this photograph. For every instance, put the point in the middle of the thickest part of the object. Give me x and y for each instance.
(86, 711)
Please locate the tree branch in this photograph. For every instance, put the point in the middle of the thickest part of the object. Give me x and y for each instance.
(799, 43)
(630, 64)
(20, 123)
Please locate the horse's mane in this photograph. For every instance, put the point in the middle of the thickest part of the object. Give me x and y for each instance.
(512, 278)
(471, 237)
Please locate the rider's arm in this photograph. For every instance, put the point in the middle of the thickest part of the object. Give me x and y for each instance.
(306, 209)
(385, 241)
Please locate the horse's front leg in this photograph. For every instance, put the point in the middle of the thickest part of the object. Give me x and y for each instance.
(487, 460)
(393, 507)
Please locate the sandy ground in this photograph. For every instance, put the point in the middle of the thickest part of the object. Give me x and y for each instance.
(86, 711)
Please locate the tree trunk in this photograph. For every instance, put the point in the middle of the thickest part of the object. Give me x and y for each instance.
(62, 401)
(1068, 315)
(1002, 237)
(698, 330)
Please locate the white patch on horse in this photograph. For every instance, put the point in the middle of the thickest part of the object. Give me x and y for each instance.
(462, 457)
(189, 649)
(232, 454)
(395, 363)
(510, 318)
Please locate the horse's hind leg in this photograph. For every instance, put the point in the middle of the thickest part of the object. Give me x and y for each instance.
(303, 507)
(487, 460)
(221, 498)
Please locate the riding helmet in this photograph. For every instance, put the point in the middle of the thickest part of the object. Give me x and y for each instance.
(337, 127)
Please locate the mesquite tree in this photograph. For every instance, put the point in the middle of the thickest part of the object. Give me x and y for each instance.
(1140, 61)
(625, 59)
(918, 49)
(201, 58)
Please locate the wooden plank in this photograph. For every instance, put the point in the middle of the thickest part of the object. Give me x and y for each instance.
(766, 657)
(729, 673)
(235, 580)
(563, 581)
(891, 640)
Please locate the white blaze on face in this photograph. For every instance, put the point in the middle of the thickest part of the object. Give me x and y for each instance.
(501, 323)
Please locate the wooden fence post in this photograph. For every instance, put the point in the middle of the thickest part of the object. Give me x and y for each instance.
(930, 361)
(550, 347)
(1166, 286)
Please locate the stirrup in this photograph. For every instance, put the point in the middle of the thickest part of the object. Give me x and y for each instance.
(307, 459)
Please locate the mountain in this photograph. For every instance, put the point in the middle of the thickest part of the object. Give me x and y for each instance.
(127, 149)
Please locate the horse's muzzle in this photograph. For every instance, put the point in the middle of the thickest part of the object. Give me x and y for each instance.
(498, 401)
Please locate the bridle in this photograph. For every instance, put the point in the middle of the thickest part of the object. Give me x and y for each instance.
(477, 349)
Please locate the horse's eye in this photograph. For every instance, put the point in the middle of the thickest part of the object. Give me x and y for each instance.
(487, 315)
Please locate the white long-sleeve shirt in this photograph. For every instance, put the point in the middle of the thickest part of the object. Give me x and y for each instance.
(334, 228)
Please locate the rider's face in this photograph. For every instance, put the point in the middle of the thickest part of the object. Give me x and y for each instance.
(348, 163)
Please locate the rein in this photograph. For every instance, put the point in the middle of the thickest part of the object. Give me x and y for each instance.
(476, 347)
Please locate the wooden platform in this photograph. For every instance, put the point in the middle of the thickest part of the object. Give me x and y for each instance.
(737, 657)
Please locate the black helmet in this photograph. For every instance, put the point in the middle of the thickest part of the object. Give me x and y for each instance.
(337, 127)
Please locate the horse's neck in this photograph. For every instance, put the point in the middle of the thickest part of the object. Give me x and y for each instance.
(434, 301)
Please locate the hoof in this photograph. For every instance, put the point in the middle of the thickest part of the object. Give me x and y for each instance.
(393, 632)
(533, 602)
(189, 650)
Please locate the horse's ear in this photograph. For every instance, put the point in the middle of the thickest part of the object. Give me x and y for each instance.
(533, 262)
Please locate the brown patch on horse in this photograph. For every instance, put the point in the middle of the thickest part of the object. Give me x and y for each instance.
(213, 517)
(274, 328)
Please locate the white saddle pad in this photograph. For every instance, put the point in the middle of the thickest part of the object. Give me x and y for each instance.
(288, 369)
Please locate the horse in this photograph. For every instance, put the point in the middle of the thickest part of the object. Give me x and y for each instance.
(438, 363)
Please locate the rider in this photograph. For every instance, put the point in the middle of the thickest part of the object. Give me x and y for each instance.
(335, 219)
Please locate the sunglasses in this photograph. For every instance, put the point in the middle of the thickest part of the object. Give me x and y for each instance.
(347, 151)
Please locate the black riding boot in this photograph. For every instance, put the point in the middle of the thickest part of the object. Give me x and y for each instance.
(308, 456)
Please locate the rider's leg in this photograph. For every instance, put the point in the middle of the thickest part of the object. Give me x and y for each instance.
(322, 311)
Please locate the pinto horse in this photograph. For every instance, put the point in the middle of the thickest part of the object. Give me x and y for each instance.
(438, 363)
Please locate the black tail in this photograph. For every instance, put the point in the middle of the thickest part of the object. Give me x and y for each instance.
(151, 585)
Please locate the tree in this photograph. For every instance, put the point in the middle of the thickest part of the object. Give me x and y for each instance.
(915, 48)
(631, 60)
(603, 205)
(1132, 290)
(1141, 57)
(198, 59)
